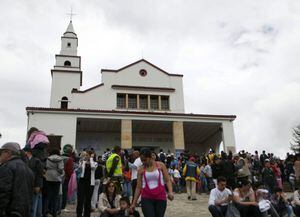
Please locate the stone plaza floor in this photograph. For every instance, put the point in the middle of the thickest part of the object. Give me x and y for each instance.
(179, 207)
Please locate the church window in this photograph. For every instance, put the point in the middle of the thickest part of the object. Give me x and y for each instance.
(69, 44)
(143, 72)
(67, 63)
(132, 101)
(154, 102)
(64, 103)
(165, 105)
(143, 102)
(121, 100)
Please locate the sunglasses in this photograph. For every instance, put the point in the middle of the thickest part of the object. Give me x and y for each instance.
(111, 186)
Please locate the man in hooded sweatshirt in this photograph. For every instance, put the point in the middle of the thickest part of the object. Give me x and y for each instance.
(54, 174)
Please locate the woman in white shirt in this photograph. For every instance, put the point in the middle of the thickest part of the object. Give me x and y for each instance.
(86, 184)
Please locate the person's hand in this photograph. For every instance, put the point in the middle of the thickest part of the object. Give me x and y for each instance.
(254, 203)
(170, 196)
(132, 208)
(37, 190)
(229, 198)
(109, 210)
(218, 202)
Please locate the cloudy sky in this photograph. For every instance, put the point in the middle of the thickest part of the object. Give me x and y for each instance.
(238, 57)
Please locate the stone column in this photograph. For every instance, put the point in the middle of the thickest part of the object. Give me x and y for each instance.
(126, 134)
(159, 102)
(138, 101)
(126, 101)
(149, 102)
(178, 137)
(228, 137)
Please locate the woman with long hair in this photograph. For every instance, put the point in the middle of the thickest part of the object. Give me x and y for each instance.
(109, 201)
(151, 181)
(244, 199)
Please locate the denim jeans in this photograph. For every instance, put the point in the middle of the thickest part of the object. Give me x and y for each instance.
(95, 194)
(36, 209)
(217, 211)
(127, 189)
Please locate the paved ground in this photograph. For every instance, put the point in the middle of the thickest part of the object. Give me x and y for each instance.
(180, 207)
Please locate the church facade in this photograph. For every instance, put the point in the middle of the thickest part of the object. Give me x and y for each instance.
(138, 105)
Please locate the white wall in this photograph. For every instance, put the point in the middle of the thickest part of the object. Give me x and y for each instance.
(60, 61)
(62, 84)
(104, 97)
(69, 50)
(228, 136)
(56, 124)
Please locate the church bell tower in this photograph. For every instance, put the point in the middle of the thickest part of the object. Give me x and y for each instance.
(66, 73)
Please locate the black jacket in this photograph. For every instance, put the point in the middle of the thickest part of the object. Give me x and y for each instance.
(36, 166)
(16, 188)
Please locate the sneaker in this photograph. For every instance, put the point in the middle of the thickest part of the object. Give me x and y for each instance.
(65, 210)
(189, 197)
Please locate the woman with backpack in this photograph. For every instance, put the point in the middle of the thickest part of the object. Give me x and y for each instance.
(54, 174)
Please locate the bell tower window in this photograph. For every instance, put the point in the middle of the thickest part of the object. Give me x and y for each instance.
(67, 63)
(69, 44)
(64, 103)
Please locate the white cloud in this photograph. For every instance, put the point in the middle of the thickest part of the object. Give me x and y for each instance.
(240, 57)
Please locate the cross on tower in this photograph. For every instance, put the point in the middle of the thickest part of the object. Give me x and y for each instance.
(71, 14)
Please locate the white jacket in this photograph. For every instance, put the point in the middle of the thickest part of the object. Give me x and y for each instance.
(93, 168)
(103, 203)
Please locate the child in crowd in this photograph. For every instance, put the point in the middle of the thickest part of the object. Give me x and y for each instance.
(125, 210)
(202, 179)
(176, 179)
(280, 203)
(264, 204)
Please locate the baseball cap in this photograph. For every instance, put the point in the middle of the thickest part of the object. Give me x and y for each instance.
(27, 148)
(12, 146)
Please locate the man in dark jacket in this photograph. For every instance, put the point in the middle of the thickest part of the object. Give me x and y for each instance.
(268, 176)
(16, 182)
(36, 166)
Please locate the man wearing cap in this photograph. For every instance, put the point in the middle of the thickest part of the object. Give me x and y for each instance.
(191, 172)
(36, 166)
(16, 182)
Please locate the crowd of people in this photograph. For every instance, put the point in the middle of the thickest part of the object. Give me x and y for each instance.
(41, 181)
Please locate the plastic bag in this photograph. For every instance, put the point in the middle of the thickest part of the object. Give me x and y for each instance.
(72, 186)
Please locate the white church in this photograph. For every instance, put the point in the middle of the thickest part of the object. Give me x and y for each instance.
(138, 105)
